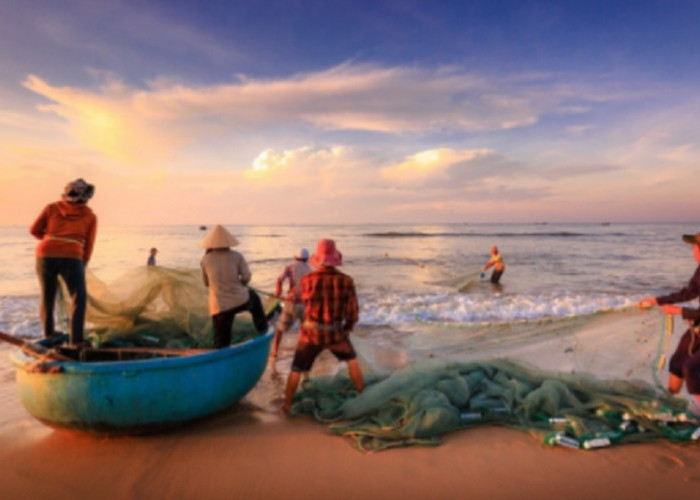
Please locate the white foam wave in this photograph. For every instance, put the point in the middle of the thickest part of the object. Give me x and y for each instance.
(19, 315)
(402, 308)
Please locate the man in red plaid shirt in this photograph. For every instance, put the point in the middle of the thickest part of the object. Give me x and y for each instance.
(330, 312)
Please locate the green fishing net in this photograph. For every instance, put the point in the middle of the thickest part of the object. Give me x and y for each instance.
(418, 404)
(154, 306)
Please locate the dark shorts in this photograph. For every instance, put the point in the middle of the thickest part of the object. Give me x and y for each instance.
(496, 276)
(306, 354)
(685, 362)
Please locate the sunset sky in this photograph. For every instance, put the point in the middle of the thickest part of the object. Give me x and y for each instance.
(299, 111)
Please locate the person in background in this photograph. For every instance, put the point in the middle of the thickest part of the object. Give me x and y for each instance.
(293, 308)
(496, 261)
(330, 312)
(152, 257)
(66, 230)
(226, 274)
(685, 362)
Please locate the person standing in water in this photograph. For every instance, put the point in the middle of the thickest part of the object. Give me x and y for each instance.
(684, 365)
(496, 261)
(67, 230)
(152, 257)
(293, 308)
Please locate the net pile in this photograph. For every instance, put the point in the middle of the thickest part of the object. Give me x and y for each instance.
(423, 401)
(154, 306)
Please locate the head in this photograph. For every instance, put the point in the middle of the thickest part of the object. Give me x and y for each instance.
(154, 251)
(694, 239)
(218, 238)
(494, 250)
(78, 191)
(326, 254)
(302, 254)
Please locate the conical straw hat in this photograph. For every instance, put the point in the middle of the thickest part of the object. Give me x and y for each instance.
(218, 237)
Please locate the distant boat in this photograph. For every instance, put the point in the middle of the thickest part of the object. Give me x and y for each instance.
(202, 228)
(168, 389)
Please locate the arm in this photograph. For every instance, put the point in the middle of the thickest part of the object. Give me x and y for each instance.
(351, 307)
(38, 228)
(690, 314)
(205, 278)
(90, 240)
(244, 273)
(280, 280)
(688, 292)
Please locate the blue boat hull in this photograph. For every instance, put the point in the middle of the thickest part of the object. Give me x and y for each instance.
(142, 395)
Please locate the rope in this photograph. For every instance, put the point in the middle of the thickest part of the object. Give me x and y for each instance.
(660, 360)
(269, 294)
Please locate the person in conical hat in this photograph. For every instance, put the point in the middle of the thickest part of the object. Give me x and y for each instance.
(226, 274)
(218, 237)
(330, 312)
(293, 308)
(66, 230)
(684, 365)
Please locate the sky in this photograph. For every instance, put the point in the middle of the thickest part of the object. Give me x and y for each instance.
(352, 112)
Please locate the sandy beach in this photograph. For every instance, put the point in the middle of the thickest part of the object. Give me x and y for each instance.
(251, 451)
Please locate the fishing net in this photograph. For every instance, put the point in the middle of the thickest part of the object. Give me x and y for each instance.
(421, 402)
(154, 306)
(585, 382)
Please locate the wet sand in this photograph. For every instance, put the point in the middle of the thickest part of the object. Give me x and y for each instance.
(252, 451)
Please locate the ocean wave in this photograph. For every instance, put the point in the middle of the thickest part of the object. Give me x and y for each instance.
(544, 234)
(402, 308)
(19, 315)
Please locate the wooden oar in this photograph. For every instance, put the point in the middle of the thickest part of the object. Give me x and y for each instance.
(33, 348)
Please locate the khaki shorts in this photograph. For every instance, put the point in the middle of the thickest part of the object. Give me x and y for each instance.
(290, 313)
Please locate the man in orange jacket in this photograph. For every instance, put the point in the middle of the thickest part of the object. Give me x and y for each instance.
(66, 230)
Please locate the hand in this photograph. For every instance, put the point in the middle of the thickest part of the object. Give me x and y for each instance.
(672, 309)
(647, 303)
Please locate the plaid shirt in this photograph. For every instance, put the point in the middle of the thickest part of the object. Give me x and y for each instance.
(330, 306)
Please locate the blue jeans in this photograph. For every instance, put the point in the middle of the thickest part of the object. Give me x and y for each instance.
(48, 269)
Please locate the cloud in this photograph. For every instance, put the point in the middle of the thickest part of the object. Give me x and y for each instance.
(442, 166)
(377, 144)
(155, 123)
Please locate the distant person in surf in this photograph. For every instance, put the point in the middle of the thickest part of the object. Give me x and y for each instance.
(152, 257)
(293, 308)
(226, 274)
(330, 312)
(496, 261)
(685, 362)
(67, 230)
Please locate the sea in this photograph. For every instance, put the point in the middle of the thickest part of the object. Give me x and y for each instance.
(406, 273)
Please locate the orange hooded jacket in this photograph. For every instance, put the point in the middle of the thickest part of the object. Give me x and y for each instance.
(66, 230)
